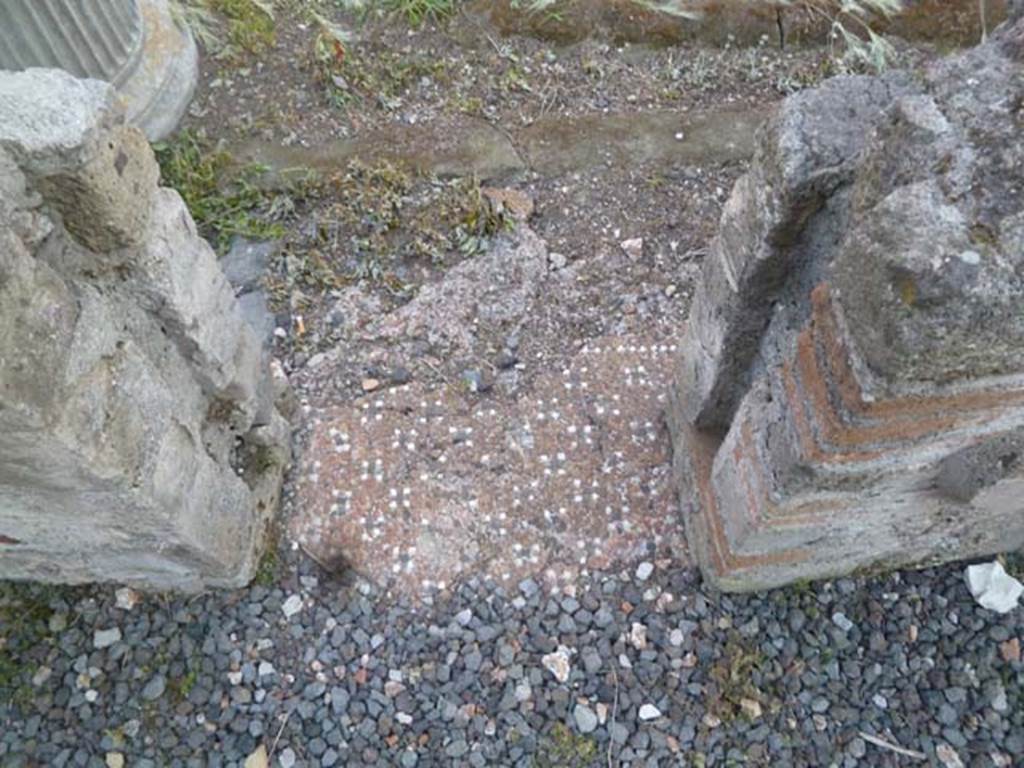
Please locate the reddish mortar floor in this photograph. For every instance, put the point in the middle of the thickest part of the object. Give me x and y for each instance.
(415, 489)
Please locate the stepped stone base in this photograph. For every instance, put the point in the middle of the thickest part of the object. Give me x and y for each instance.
(851, 392)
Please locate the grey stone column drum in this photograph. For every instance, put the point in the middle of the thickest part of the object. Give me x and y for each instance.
(134, 44)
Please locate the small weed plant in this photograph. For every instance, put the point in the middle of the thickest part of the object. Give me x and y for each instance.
(224, 198)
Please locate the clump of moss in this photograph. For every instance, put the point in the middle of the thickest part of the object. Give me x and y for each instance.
(564, 749)
(732, 679)
(25, 612)
(266, 571)
(223, 197)
(250, 23)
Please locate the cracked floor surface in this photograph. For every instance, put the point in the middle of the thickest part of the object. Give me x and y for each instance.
(416, 488)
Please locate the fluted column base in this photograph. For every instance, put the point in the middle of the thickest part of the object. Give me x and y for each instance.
(158, 89)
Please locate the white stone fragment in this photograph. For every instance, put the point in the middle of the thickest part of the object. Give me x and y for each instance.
(649, 712)
(557, 663)
(104, 638)
(840, 620)
(292, 606)
(638, 636)
(992, 587)
(634, 247)
(126, 598)
(948, 756)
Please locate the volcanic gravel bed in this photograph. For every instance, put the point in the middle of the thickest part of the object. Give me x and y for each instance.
(656, 671)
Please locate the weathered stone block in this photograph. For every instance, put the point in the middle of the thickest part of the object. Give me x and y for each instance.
(871, 412)
(139, 438)
(806, 151)
(98, 173)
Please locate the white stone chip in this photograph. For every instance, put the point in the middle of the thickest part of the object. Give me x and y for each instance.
(840, 620)
(557, 663)
(649, 712)
(104, 638)
(126, 598)
(291, 606)
(644, 571)
(992, 587)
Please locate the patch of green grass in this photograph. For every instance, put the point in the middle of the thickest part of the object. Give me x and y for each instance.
(229, 28)
(181, 687)
(565, 749)
(418, 11)
(270, 562)
(224, 199)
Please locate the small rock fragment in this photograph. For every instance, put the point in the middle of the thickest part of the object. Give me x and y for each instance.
(992, 587)
(649, 712)
(370, 384)
(557, 260)
(154, 689)
(644, 571)
(104, 638)
(126, 598)
(634, 248)
(840, 620)
(1010, 649)
(586, 719)
(948, 756)
(291, 606)
(400, 375)
(638, 636)
(114, 760)
(557, 663)
(751, 708)
(41, 676)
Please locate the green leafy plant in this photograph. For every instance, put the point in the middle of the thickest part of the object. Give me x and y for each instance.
(564, 749)
(224, 199)
(418, 11)
(228, 28)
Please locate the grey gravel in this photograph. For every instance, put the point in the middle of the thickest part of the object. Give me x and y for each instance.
(373, 680)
